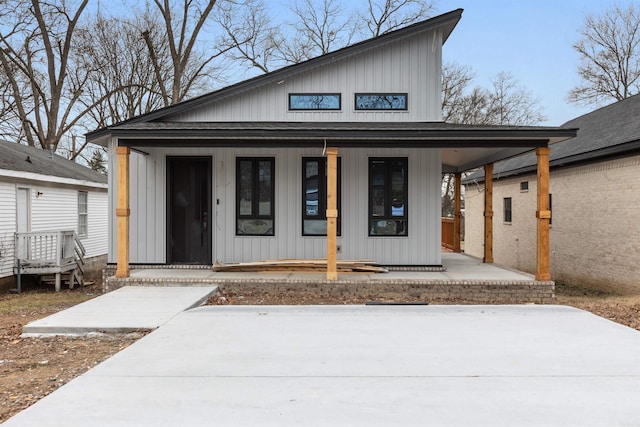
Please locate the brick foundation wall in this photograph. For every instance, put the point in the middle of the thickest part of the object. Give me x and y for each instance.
(463, 291)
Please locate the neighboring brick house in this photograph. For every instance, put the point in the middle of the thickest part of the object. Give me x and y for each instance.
(595, 202)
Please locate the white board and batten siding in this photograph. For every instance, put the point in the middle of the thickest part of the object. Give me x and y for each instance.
(411, 66)
(148, 220)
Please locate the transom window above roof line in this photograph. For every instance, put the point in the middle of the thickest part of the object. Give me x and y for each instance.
(315, 101)
(381, 101)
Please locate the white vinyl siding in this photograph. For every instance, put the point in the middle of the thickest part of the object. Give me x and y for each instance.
(7, 227)
(148, 211)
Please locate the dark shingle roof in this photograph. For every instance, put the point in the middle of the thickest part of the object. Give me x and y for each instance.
(23, 158)
(608, 131)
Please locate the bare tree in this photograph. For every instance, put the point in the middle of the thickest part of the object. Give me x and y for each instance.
(37, 56)
(510, 103)
(383, 16)
(609, 57)
(126, 81)
(249, 36)
(506, 103)
(321, 26)
(318, 27)
(183, 21)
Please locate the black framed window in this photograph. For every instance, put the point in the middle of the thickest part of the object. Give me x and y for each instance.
(381, 101)
(524, 186)
(388, 196)
(255, 185)
(315, 101)
(314, 196)
(506, 204)
(550, 209)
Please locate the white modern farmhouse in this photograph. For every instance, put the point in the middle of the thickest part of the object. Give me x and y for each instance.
(246, 172)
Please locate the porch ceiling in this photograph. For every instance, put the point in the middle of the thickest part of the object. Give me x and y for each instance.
(463, 147)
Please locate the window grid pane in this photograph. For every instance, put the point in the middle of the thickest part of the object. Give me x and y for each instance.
(255, 196)
(314, 101)
(83, 208)
(388, 191)
(381, 101)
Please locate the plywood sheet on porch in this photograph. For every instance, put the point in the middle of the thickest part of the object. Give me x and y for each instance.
(318, 265)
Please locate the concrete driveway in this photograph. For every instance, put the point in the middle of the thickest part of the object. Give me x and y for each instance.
(362, 366)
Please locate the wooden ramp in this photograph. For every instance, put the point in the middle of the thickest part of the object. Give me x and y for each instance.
(318, 265)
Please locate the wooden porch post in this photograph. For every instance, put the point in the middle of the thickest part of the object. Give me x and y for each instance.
(457, 202)
(488, 213)
(543, 215)
(332, 212)
(122, 212)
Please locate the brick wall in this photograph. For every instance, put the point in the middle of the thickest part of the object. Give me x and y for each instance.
(595, 233)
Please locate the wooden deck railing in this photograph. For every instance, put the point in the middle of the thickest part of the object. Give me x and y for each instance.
(50, 252)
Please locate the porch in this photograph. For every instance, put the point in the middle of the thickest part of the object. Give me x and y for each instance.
(461, 278)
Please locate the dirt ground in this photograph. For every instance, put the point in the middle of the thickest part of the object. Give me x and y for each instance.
(31, 368)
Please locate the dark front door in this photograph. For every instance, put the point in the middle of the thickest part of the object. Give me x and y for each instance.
(189, 210)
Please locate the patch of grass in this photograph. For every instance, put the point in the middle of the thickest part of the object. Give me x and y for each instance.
(37, 301)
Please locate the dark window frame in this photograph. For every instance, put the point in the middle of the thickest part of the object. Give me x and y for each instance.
(507, 209)
(255, 197)
(388, 198)
(322, 193)
(524, 186)
(550, 209)
(339, 95)
(381, 94)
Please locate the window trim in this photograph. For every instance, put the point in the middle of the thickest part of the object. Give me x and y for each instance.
(83, 229)
(524, 186)
(387, 215)
(338, 94)
(402, 94)
(322, 190)
(507, 211)
(255, 198)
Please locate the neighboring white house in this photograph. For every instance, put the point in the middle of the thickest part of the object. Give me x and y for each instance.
(239, 174)
(595, 204)
(40, 191)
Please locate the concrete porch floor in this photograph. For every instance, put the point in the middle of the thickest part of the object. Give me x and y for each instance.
(464, 277)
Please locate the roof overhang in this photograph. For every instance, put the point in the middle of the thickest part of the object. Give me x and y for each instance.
(463, 147)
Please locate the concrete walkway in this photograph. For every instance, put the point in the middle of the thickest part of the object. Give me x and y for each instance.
(124, 310)
(361, 366)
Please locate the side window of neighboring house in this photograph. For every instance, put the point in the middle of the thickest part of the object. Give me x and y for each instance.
(388, 194)
(255, 185)
(507, 209)
(314, 196)
(83, 213)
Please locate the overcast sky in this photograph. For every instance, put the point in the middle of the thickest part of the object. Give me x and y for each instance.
(531, 39)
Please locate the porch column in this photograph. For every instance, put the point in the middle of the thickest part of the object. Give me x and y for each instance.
(122, 212)
(332, 212)
(488, 213)
(457, 202)
(543, 214)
